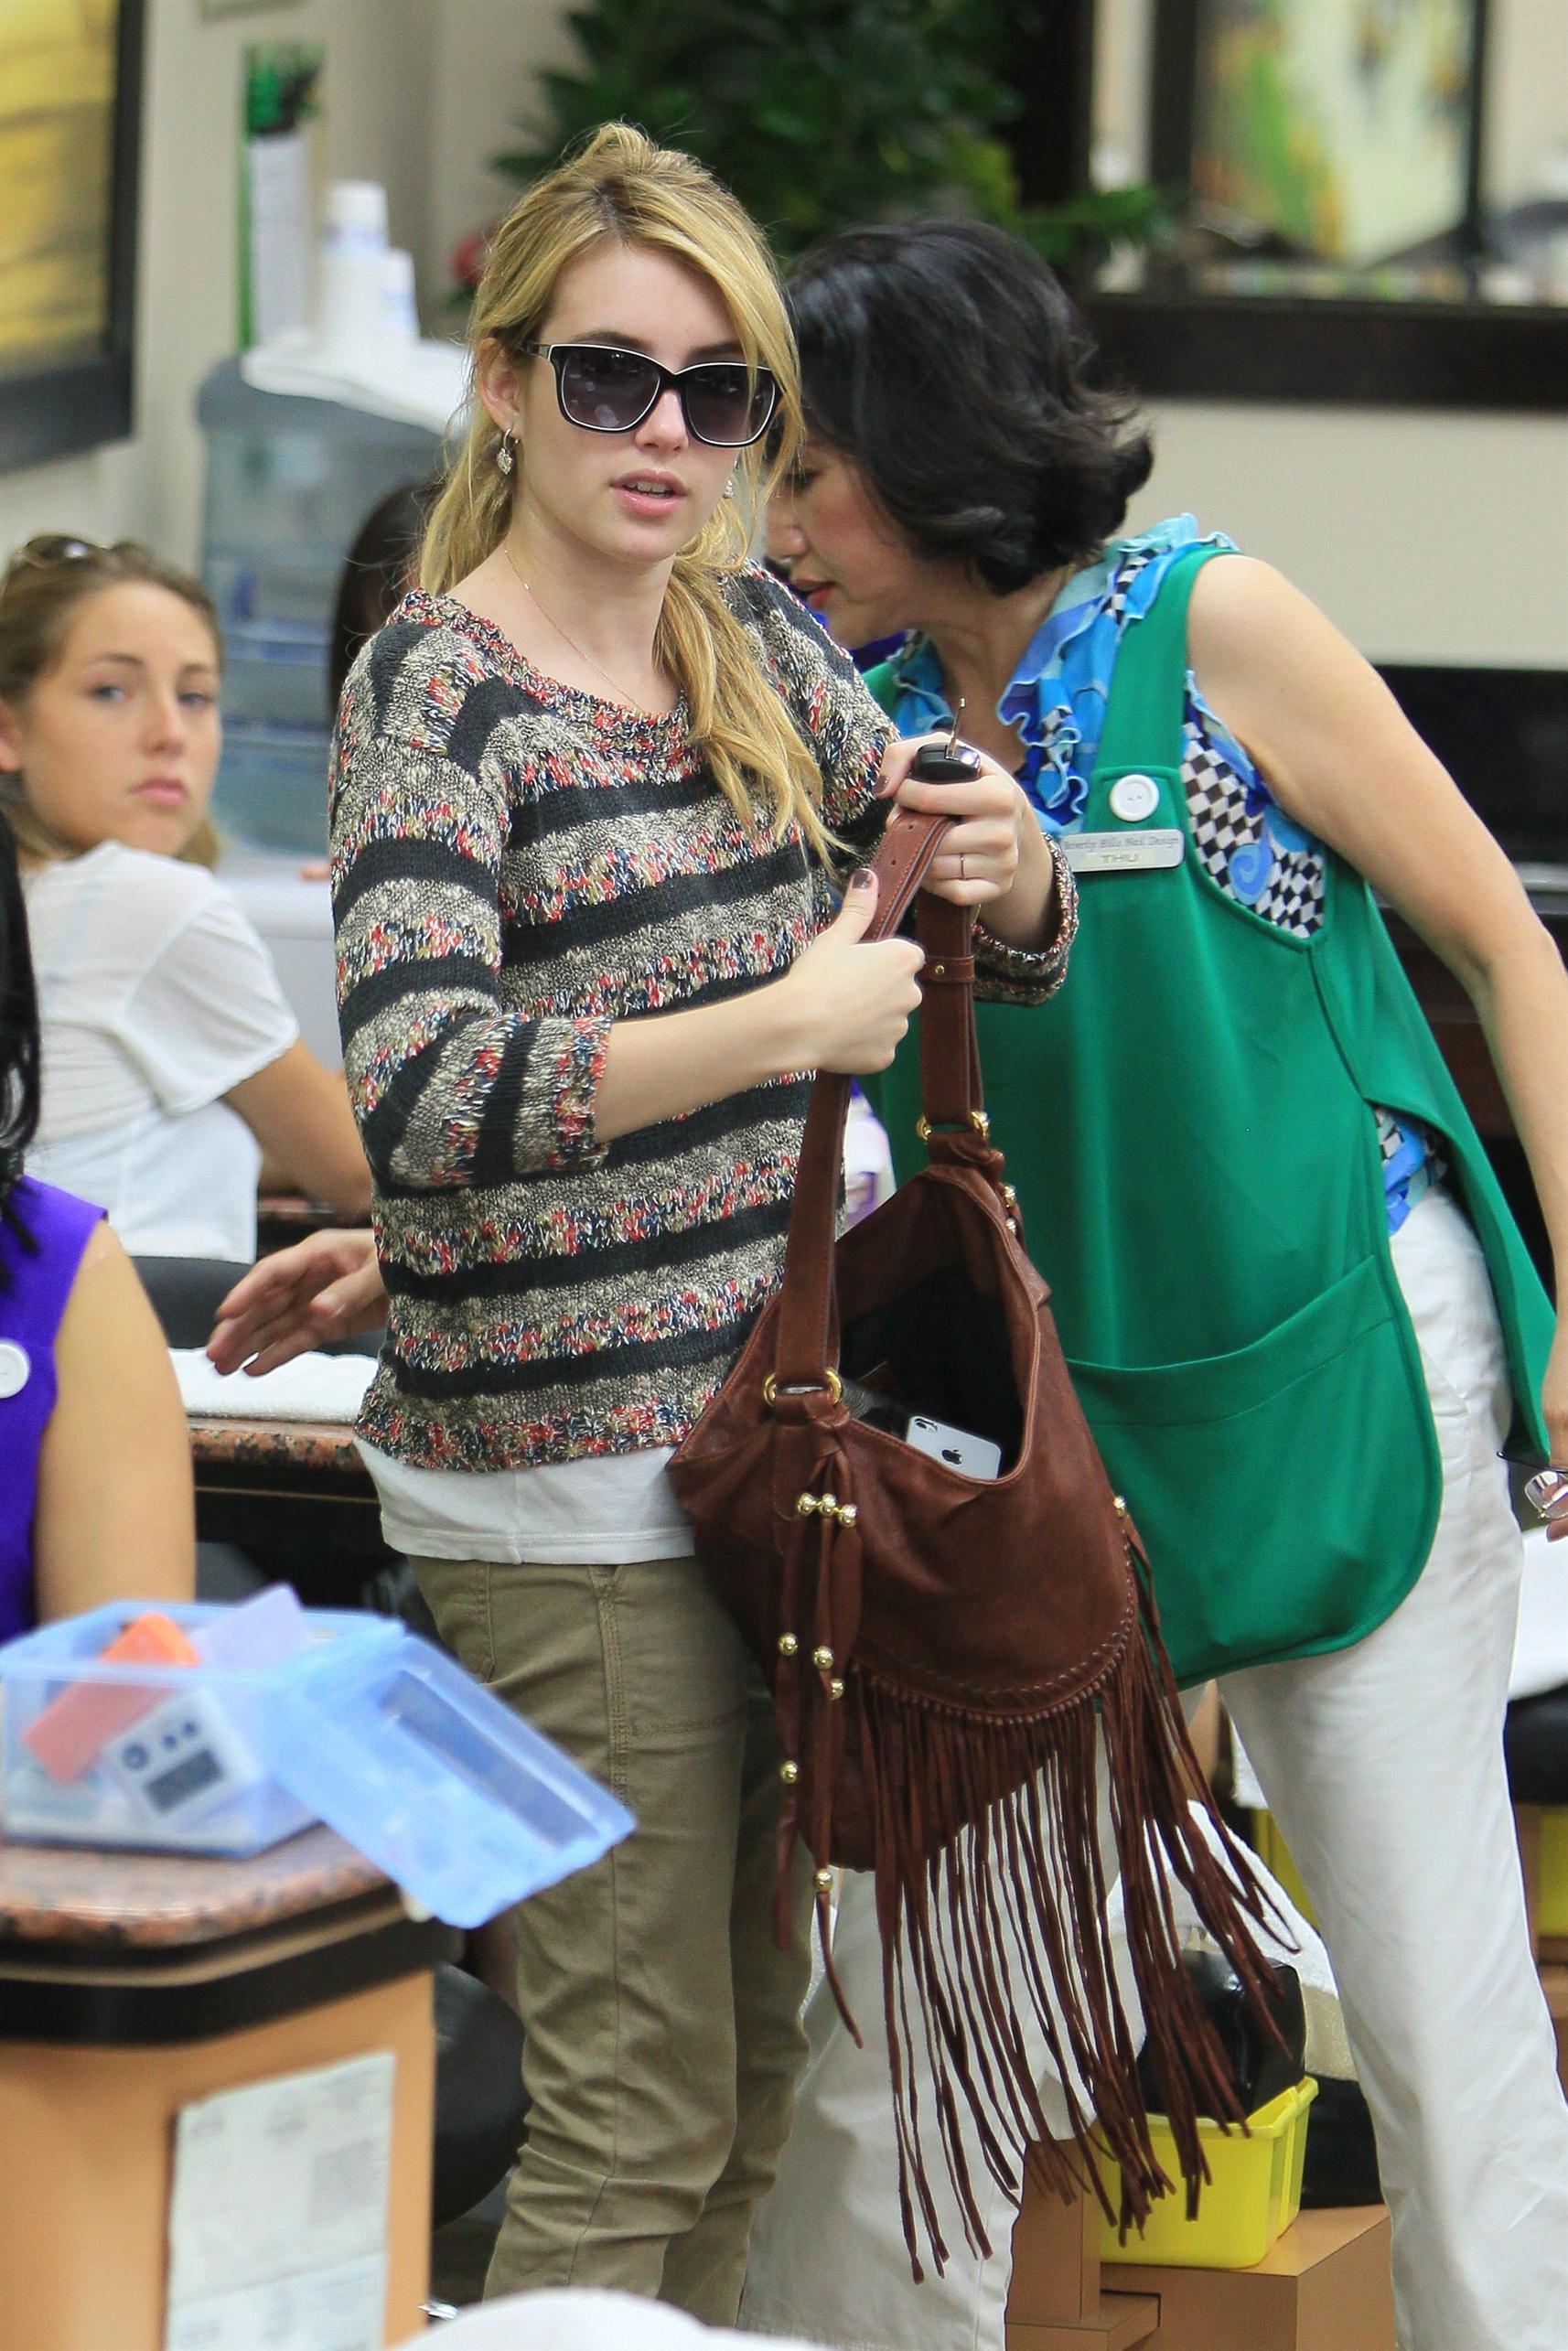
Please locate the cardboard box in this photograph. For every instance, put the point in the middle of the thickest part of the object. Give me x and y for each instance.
(1554, 1984)
(1325, 2286)
(1121, 2322)
(1055, 2303)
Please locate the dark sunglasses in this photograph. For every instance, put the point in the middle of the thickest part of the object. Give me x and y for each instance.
(1547, 1490)
(57, 547)
(49, 548)
(724, 402)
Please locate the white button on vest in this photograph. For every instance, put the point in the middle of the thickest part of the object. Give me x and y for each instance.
(14, 1369)
(1132, 798)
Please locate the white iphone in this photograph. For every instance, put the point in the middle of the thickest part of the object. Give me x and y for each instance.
(972, 1457)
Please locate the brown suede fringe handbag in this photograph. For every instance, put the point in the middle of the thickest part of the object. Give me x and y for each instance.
(949, 1655)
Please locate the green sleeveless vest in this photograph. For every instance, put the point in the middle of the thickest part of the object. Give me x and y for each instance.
(1186, 1124)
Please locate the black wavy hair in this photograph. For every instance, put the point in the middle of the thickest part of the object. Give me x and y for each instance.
(945, 360)
(18, 1035)
(379, 568)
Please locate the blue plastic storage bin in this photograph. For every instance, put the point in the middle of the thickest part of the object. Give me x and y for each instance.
(194, 1774)
(465, 1804)
(370, 1729)
(290, 483)
(272, 786)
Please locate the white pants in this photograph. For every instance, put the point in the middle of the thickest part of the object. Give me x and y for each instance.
(1383, 1766)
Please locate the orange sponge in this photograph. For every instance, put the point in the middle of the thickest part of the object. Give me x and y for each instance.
(74, 1726)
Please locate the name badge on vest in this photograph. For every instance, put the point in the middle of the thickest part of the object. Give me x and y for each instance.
(1124, 853)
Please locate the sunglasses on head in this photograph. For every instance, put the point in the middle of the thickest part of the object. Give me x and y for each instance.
(604, 390)
(57, 547)
(47, 548)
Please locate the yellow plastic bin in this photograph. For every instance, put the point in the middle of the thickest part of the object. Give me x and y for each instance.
(1551, 1900)
(1275, 1856)
(1254, 2191)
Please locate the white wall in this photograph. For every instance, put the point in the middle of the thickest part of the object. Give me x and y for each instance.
(376, 82)
(1527, 95)
(484, 56)
(1123, 37)
(1425, 535)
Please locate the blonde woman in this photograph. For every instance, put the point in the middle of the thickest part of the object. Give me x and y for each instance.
(171, 1061)
(590, 784)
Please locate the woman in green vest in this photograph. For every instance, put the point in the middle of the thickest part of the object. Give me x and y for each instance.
(1300, 1316)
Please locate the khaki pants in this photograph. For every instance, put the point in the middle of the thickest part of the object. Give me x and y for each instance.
(662, 2024)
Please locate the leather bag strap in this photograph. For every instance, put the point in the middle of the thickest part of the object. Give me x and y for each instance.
(950, 1068)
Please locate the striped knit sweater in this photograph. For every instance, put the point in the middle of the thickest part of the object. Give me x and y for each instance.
(516, 865)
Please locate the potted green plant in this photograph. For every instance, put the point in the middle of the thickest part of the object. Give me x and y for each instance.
(819, 113)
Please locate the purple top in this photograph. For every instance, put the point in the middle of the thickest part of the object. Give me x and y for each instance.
(34, 1287)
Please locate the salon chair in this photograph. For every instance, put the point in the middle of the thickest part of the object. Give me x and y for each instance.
(480, 2103)
(187, 1293)
(1535, 1746)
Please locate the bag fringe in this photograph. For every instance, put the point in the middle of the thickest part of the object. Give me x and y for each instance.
(1009, 1918)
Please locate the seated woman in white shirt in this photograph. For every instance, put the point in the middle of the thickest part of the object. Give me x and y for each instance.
(171, 1062)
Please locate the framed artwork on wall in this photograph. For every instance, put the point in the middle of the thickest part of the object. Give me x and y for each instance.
(1343, 132)
(70, 94)
(1230, 310)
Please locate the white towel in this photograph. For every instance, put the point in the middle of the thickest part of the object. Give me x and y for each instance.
(311, 1388)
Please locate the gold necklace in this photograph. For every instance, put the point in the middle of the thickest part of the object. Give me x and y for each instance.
(619, 691)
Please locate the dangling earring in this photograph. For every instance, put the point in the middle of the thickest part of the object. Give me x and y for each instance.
(503, 454)
(729, 487)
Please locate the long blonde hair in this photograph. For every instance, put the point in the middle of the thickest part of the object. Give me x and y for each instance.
(619, 187)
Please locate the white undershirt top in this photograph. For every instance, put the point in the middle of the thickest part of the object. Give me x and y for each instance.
(609, 1509)
(156, 997)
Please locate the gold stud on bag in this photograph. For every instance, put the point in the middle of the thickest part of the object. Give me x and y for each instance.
(978, 1649)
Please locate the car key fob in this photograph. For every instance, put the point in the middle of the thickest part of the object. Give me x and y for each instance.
(951, 762)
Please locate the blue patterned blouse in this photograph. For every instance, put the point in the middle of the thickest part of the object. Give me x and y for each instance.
(1056, 701)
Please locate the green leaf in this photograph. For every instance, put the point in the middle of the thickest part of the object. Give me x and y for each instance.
(819, 114)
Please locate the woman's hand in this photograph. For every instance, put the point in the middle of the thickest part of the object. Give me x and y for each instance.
(1554, 1413)
(980, 857)
(995, 856)
(849, 1001)
(326, 1288)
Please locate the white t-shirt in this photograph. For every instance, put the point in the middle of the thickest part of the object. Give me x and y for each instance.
(156, 997)
(607, 1509)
